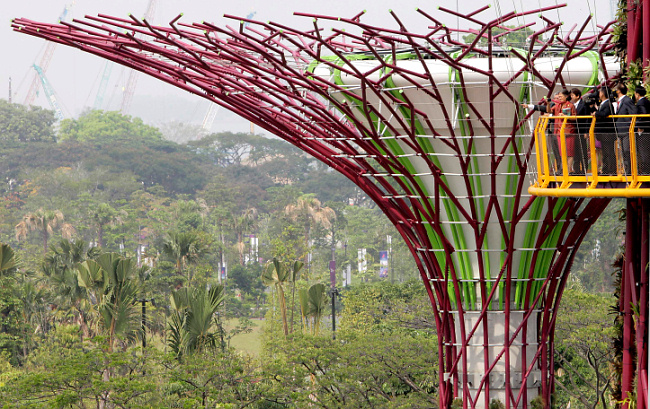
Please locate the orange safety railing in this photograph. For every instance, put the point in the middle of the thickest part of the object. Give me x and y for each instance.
(555, 177)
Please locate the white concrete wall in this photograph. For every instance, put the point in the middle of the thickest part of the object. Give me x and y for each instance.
(477, 355)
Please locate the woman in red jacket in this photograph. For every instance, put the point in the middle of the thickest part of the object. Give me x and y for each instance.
(564, 107)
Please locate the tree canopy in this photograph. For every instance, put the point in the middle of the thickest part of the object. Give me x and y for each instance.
(166, 244)
(25, 124)
(516, 37)
(106, 125)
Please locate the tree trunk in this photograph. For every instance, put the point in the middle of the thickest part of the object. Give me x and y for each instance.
(106, 377)
(189, 273)
(293, 301)
(179, 267)
(25, 342)
(307, 261)
(45, 237)
(283, 308)
(100, 235)
(240, 247)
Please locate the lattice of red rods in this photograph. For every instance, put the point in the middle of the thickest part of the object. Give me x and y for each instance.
(260, 72)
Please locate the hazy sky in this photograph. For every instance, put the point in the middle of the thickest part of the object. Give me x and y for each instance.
(75, 75)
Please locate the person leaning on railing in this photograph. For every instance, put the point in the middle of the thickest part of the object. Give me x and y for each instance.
(605, 132)
(643, 132)
(543, 108)
(564, 107)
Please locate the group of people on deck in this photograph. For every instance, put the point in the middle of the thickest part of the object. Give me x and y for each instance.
(600, 103)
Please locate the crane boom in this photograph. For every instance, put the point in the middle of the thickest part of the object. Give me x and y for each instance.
(209, 118)
(44, 63)
(101, 91)
(132, 81)
(49, 92)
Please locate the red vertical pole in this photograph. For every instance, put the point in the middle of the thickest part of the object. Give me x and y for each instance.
(645, 27)
(641, 336)
(625, 303)
(632, 33)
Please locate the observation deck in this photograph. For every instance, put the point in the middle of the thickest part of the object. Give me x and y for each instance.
(626, 154)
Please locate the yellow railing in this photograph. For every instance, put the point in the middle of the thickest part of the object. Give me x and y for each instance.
(591, 182)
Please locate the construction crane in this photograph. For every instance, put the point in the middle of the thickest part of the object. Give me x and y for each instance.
(49, 92)
(129, 88)
(44, 63)
(208, 120)
(101, 91)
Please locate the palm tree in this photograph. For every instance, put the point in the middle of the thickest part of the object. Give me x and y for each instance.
(240, 224)
(59, 270)
(33, 307)
(309, 211)
(312, 305)
(8, 261)
(34, 311)
(43, 221)
(104, 215)
(112, 288)
(8, 268)
(277, 274)
(194, 319)
(295, 273)
(184, 248)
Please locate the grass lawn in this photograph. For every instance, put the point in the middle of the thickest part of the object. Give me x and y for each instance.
(249, 343)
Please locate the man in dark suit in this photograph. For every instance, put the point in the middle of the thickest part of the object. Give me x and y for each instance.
(581, 158)
(625, 106)
(643, 131)
(606, 131)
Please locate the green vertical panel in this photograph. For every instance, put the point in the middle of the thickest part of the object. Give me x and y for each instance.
(394, 147)
(458, 237)
(473, 167)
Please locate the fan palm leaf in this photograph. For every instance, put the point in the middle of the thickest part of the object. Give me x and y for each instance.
(277, 273)
(112, 289)
(8, 262)
(193, 324)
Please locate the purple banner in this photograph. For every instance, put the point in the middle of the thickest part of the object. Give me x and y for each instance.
(383, 264)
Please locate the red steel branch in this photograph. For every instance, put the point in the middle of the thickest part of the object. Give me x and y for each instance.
(261, 72)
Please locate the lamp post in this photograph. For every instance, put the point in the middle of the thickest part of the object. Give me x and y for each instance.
(143, 302)
(333, 292)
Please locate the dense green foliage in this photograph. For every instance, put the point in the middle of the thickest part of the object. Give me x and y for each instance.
(21, 124)
(116, 237)
(107, 127)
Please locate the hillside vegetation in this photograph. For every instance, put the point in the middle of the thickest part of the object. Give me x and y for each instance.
(112, 237)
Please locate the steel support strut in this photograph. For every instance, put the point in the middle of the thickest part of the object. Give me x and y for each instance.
(633, 306)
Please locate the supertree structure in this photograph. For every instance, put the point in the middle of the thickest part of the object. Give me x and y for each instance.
(431, 129)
